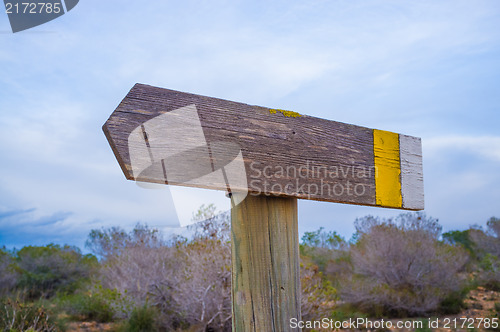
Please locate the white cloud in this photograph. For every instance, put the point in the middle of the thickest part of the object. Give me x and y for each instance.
(487, 147)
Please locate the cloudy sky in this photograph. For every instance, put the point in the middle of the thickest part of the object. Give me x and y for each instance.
(425, 68)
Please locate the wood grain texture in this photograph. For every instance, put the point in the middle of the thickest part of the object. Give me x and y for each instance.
(412, 178)
(265, 264)
(282, 154)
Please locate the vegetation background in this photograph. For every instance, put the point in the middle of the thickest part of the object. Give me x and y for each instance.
(141, 281)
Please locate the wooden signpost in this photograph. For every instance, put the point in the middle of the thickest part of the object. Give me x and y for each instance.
(267, 159)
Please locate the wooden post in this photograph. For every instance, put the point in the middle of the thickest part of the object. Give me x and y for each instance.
(265, 264)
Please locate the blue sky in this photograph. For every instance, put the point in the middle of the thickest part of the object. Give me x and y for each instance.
(425, 68)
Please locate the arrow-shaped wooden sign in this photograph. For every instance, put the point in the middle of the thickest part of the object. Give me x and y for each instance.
(165, 136)
(276, 156)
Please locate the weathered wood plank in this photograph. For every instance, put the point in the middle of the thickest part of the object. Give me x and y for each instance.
(412, 184)
(165, 136)
(265, 264)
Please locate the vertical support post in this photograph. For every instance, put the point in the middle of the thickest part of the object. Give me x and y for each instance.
(265, 264)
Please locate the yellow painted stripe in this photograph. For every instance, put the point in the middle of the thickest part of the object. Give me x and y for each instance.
(388, 168)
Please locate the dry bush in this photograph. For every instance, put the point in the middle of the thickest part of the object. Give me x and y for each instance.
(188, 284)
(399, 267)
(136, 270)
(187, 281)
(198, 292)
(18, 316)
(203, 294)
(318, 297)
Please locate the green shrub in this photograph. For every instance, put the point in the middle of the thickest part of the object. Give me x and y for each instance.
(46, 270)
(461, 238)
(142, 320)
(88, 307)
(100, 304)
(322, 246)
(454, 302)
(489, 272)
